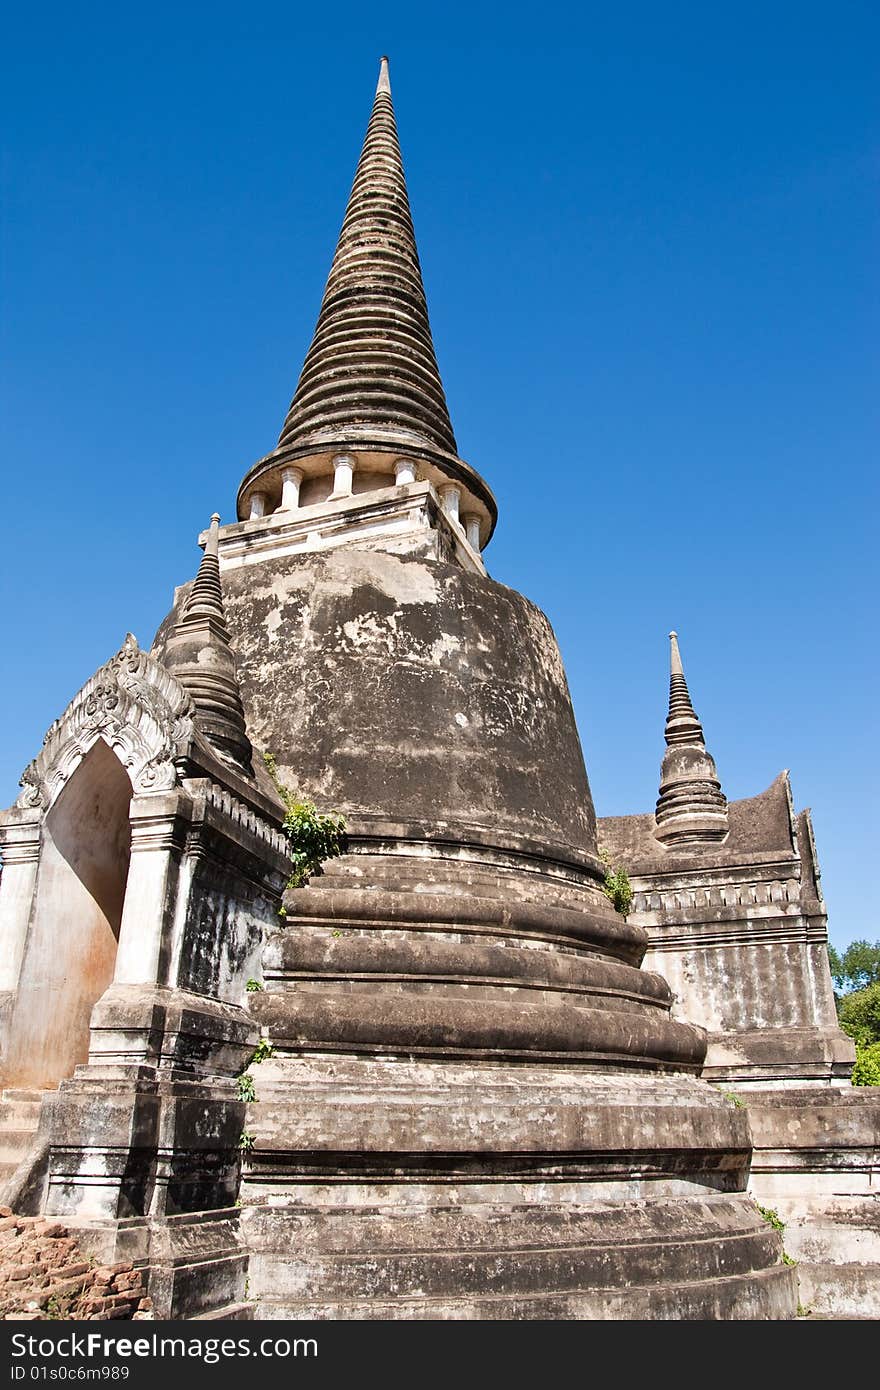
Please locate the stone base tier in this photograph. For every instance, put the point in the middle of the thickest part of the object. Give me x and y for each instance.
(816, 1163)
(435, 974)
(382, 1189)
(771, 1058)
(194, 1265)
(714, 1259)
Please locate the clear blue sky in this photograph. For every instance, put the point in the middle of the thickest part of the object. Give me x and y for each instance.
(646, 234)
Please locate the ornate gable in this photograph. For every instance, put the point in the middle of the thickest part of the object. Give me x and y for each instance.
(137, 707)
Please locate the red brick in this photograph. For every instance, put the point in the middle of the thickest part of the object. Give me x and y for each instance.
(65, 1286)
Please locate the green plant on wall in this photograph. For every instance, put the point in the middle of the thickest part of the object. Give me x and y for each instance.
(262, 1050)
(617, 887)
(772, 1217)
(313, 838)
(246, 1089)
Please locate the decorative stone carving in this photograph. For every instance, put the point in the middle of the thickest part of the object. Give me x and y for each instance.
(243, 815)
(137, 707)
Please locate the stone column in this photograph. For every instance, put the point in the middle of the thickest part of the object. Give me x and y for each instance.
(258, 505)
(450, 497)
(290, 484)
(158, 829)
(343, 475)
(20, 842)
(404, 472)
(472, 530)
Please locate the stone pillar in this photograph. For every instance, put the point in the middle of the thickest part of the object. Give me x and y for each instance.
(158, 830)
(343, 475)
(404, 472)
(472, 530)
(258, 505)
(450, 496)
(20, 842)
(290, 484)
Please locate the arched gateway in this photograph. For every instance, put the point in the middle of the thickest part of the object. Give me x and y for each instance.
(70, 953)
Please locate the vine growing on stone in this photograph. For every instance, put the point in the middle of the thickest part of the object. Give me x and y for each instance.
(617, 887)
(313, 838)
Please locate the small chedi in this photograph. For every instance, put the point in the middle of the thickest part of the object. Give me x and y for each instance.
(443, 1078)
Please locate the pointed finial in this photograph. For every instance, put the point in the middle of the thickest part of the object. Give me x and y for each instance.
(371, 372)
(206, 596)
(691, 807)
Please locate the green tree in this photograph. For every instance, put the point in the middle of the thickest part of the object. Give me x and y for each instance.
(866, 1071)
(859, 1015)
(857, 967)
(856, 974)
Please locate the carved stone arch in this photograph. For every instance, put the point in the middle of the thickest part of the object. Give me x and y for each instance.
(139, 710)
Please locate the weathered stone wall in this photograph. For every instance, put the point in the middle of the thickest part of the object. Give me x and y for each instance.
(392, 688)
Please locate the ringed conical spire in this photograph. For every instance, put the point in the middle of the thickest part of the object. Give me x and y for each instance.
(199, 654)
(371, 368)
(691, 807)
(206, 596)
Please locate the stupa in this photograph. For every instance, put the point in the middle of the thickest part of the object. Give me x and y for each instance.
(477, 1103)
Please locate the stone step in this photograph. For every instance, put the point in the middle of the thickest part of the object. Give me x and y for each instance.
(230, 1312)
(343, 1254)
(19, 1114)
(485, 1225)
(14, 1144)
(441, 876)
(451, 1273)
(757, 1296)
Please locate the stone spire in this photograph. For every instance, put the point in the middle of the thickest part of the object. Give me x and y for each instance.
(371, 368)
(369, 413)
(691, 807)
(199, 654)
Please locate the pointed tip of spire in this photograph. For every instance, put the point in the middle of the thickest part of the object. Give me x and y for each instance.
(213, 543)
(371, 371)
(675, 665)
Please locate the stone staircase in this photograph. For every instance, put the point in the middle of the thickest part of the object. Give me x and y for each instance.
(19, 1119)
